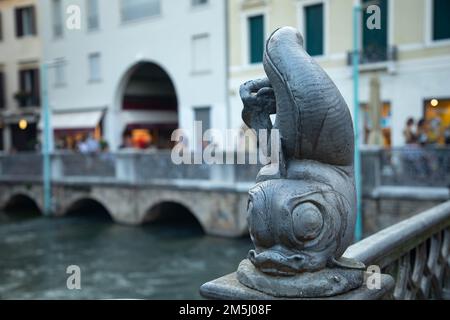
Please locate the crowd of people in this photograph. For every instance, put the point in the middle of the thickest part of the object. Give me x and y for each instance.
(426, 132)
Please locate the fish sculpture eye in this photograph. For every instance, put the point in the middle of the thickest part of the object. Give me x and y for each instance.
(307, 221)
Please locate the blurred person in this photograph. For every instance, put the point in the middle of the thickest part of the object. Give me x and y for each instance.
(105, 154)
(422, 135)
(82, 145)
(434, 131)
(88, 144)
(408, 132)
(447, 136)
(93, 145)
(127, 140)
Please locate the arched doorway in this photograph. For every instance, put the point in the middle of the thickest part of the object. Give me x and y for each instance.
(175, 217)
(149, 107)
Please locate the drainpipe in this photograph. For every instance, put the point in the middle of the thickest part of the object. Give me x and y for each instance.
(356, 49)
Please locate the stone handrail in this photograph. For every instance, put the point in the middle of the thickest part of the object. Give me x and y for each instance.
(394, 167)
(416, 252)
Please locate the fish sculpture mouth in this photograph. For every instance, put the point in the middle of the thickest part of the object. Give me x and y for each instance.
(276, 263)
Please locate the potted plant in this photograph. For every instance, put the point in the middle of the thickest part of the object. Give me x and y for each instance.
(22, 97)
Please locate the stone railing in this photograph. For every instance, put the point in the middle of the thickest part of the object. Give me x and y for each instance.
(132, 167)
(396, 167)
(416, 252)
(21, 166)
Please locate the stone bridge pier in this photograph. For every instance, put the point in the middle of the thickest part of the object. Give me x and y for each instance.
(220, 211)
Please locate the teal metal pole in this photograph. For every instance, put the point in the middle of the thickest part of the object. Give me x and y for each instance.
(46, 145)
(355, 60)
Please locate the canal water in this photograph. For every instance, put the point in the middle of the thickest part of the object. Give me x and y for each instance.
(162, 260)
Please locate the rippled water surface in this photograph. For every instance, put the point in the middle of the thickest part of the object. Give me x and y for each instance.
(156, 261)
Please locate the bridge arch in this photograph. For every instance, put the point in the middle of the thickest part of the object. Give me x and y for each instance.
(175, 211)
(88, 206)
(22, 203)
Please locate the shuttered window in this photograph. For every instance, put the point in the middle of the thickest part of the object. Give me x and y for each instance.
(95, 73)
(93, 20)
(441, 19)
(1, 27)
(139, 9)
(57, 16)
(2, 90)
(25, 21)
(314, 29)
(256, 38)
(375, 41)
(29, 95)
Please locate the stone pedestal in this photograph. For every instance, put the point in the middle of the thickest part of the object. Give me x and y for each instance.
(229, 288)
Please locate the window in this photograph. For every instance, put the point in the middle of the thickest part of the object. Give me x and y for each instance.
(1, 27)
(93, 21)
(200, 53)
(28, 96)
(256, 38)
(60, 73)
(94, 67)
(1, 138)
(57, 14)
(196, 3)
(202, 115)
(139, 9)
(25, 22)
(441, 19)
(2, 90)
(314, 29)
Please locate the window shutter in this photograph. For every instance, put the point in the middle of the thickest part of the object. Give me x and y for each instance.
(2, 91)
(314, 33)
(375, 41)
(441, 19)
(256, 30)
(22, 80)
(33, 20)
(19, 23)
(1, 27)
(36, 88)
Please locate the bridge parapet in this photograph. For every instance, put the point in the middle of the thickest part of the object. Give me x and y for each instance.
(396, 167)
(127, 167)
(416, 252)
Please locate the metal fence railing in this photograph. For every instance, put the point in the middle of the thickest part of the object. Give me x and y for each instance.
(406, 166)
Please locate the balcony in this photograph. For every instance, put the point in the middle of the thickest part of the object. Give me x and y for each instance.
(27, 99)
(375, 58)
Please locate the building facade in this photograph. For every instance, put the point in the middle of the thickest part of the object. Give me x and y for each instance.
(409, 55)
(134, 68)
(20, 56)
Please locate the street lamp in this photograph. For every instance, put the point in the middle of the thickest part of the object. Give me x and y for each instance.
(355, 62)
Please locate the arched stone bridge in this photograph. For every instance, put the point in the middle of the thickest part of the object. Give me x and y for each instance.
(130, 186)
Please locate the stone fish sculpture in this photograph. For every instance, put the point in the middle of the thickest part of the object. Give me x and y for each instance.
(301, 219)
